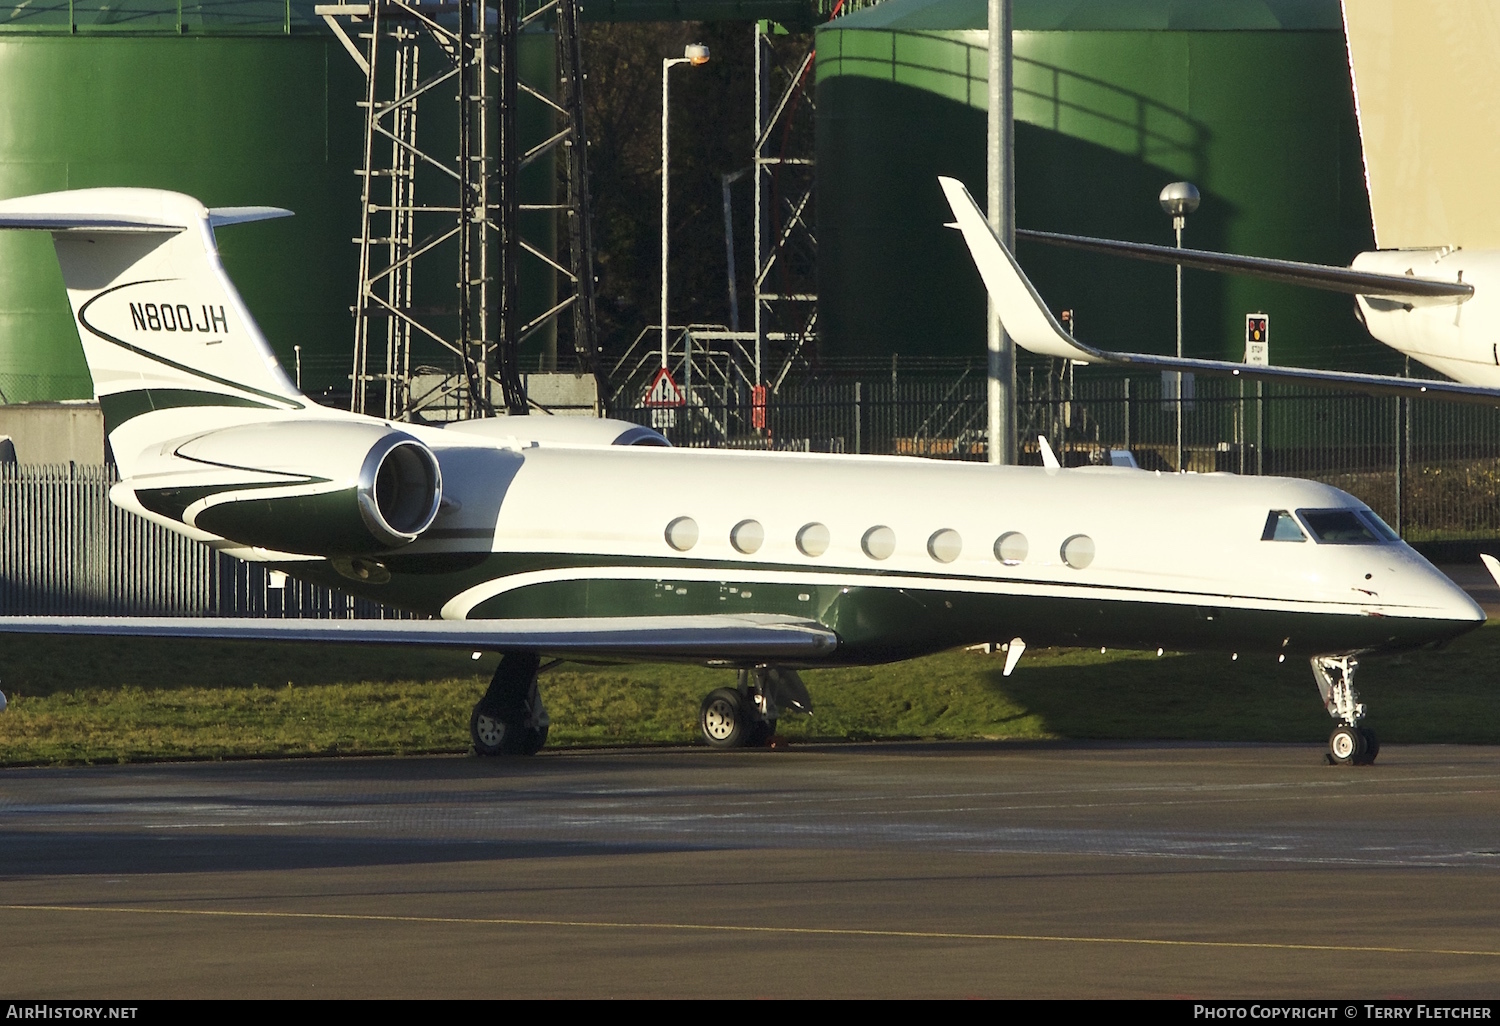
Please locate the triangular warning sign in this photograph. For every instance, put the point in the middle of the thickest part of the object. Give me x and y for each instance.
(663, 391)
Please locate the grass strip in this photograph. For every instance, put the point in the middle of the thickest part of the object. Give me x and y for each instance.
(86, 700)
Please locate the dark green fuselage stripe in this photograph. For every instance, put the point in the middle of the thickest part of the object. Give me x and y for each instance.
(120, 407)
(888, 620)
(173, 502)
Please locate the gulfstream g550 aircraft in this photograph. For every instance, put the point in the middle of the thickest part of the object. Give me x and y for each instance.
(536, 537)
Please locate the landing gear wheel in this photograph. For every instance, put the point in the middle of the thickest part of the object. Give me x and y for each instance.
(723, 719)
(1372, 746)
(493, 736)
(1346, 745)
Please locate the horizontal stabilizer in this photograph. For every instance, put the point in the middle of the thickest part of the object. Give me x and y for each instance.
(1290, 272)
(1031, 325)
(62, 222)
(218, 216)
(757, 637)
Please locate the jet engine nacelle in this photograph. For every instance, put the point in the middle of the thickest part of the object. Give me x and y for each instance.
(321, 488)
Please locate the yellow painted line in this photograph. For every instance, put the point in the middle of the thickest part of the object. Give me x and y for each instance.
(797, 931)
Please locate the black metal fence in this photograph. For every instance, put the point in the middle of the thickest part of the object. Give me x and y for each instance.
(66, 550)
(1431, 468)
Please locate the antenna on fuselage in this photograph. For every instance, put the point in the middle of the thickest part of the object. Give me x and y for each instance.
(1049, 458)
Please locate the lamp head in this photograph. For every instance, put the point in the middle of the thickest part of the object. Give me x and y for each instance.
(1180, 199)
(696, 53)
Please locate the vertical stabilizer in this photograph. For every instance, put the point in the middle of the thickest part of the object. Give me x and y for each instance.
(1427, 92)
(162, 326)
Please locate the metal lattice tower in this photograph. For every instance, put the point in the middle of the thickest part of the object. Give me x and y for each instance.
(419, 205)
(786, 247)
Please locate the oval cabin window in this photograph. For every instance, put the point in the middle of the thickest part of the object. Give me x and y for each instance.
(747, 536)
(682, 533)
(879, 542)
(812, 540)
(1078, 551)
(945, 545)
(1011, 548)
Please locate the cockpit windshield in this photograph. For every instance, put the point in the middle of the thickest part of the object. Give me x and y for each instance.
(1381, 527)
(1342, 527)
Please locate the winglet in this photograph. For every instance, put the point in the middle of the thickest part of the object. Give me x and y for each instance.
(218, 216)
(1025, 317)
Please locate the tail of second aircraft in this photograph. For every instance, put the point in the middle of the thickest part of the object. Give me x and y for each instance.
(162, 326)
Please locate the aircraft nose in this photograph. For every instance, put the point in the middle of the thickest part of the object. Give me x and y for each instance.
(1427, 588)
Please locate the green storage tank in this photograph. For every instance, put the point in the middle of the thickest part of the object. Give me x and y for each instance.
(244, 102)
(1248, 99)
(236, 102)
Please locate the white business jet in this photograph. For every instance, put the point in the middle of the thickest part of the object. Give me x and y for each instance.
(547, 538)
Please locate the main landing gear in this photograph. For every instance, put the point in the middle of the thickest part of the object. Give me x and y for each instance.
(510, 719)
(745, 716)
(1349, 744)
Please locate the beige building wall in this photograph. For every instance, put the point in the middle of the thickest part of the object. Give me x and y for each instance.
(69, 432)
(1427, 91)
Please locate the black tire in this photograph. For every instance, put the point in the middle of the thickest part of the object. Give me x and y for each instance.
(1346, 745)
(1372, 746)
(723, 719)
(492, 736)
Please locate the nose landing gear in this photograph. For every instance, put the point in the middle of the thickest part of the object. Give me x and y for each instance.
(1349, 744)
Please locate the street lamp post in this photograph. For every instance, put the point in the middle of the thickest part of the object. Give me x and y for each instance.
(1000, 199)
(1179, 199)
(695, 54)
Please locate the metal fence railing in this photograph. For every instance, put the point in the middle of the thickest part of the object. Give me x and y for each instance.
(1429, 467)
(66, 550)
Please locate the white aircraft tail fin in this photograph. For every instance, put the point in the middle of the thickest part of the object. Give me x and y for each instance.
(162, 326)
(1026, 318)
(1427, 93)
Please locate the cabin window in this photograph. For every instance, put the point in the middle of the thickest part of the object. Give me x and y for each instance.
(1282, 526)
(879, 542)
(1011, 548)
(747, 536)
(1078, 551)
(1338, 527)
(812, 540)
(682, 533)
(945, 545)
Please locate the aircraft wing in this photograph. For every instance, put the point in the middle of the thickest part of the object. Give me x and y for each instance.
(1292, 272)
(1031, 325)
(761, 637)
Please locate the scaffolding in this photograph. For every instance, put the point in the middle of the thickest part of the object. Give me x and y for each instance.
(786, 246)
(420, 206)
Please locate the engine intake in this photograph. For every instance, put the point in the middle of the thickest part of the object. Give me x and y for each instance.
(400, 489)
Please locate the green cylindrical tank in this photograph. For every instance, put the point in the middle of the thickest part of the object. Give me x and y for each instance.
(245, 106)
(244, 102)
(1248, 99)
